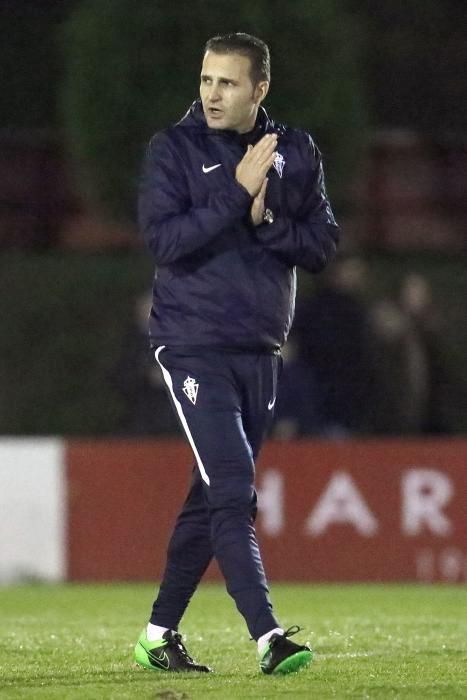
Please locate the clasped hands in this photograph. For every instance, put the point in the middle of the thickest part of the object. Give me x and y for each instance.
(251, 173)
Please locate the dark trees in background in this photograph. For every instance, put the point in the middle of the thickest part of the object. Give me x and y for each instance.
(413, 58)
(133, 68)
(416, 53)
(130, 68)
(30, 62)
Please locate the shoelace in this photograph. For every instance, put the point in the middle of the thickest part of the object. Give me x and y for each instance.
(288, 633)
(176, 638)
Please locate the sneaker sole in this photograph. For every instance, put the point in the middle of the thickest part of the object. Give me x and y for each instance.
(294, 663)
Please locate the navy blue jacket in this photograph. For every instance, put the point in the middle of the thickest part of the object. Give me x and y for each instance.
(221, 281)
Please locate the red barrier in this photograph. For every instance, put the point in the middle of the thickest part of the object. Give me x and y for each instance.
(349, 511)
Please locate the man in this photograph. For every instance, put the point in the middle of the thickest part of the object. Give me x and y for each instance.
(230, 203)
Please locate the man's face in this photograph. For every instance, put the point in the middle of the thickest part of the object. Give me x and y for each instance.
(229, 98)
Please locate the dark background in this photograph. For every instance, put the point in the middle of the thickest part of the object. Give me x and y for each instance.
(413, 61)
(380, 84)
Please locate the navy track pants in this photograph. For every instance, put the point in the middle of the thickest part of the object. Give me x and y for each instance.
(224, 401)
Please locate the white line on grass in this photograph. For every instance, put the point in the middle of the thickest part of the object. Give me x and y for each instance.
(350, 654)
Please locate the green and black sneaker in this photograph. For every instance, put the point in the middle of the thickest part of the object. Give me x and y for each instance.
(283, 656)
(166, 654)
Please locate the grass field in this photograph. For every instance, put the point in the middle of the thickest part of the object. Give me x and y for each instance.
(76, 641)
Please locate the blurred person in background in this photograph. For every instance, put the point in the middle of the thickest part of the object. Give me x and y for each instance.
(230, 202)
(416, 300)
(335, 341)
(402, 388)
(413, 378)
(297, 412)
(139, 381)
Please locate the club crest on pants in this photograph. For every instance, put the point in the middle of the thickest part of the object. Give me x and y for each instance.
(190, 388)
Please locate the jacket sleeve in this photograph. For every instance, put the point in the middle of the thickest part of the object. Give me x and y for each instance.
(171, 225)
(310, 239)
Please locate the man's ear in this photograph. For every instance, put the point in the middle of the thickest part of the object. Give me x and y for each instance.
(261, 90)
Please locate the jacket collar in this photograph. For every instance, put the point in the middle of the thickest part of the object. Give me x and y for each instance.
(195, 117)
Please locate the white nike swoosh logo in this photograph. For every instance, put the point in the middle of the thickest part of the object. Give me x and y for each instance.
(212, 167)
(161, 660)
(271, 404)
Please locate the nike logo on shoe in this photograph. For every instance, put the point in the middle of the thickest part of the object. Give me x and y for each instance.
(161, 659)
(271, 404)
(212, 167)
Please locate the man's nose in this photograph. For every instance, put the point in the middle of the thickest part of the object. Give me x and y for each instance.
(214, 95)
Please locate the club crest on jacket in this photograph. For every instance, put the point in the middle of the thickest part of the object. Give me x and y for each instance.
(279, 162)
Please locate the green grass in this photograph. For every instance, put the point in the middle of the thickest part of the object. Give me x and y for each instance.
(381, 641)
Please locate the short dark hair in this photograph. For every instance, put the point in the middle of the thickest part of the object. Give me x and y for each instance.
(245, 45)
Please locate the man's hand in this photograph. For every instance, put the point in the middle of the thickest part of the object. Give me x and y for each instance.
(254, 165)
(257, 208)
